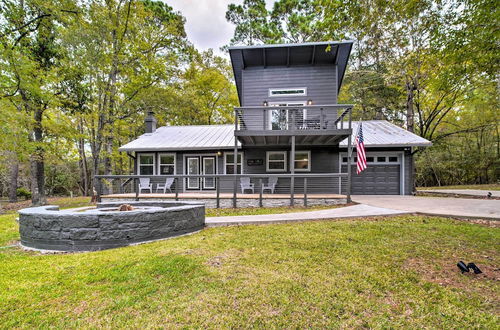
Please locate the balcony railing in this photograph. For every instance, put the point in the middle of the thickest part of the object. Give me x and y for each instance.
(293, 118)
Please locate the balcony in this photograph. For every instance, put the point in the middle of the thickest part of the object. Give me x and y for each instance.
(308, 124)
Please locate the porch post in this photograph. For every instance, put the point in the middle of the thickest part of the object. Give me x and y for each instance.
(235, 165)
(349, 157)
(292, 171)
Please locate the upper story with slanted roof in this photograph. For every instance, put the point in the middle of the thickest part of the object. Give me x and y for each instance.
(291, 90)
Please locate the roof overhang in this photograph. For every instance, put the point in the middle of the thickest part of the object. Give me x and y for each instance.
(285, 55)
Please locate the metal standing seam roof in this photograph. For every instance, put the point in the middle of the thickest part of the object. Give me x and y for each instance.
(194, 137)
(381, 133)
(377, 133)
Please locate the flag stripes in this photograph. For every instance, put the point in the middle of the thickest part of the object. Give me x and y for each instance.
(360, 149)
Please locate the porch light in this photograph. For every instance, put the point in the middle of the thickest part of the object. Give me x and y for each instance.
(265, 103)
(309, 102)
(219, 153)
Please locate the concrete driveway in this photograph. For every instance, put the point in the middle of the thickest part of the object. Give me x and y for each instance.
(457, 207)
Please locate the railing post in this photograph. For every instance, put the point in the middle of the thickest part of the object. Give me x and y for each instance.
(176, 189)
(292, 172)
(235, 165)
(260, 193)
(264, 119)
(305, 192)
(349, 157)
(136, 184)
(217, 185)
(321, 118)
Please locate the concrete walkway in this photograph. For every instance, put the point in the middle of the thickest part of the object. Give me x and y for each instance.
(465, 192)
(455, 207)
(355, 211)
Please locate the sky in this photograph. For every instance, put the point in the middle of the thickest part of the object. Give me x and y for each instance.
(206, 24)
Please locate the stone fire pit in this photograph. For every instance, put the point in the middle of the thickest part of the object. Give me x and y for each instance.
(105, 227)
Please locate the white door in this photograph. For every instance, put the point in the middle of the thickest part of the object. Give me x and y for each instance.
(209, 168)
(193, 168)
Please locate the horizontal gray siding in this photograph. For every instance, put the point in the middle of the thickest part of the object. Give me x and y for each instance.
(321, 83)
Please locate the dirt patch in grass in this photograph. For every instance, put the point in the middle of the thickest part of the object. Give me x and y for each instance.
(446, 273)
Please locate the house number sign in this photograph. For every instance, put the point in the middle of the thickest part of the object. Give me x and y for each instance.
(255, 162)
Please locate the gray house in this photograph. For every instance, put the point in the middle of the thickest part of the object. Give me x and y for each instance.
(289, 126)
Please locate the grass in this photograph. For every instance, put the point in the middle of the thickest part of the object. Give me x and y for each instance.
(381, 273)
(469, 186)
(265, 210)
(63, 202)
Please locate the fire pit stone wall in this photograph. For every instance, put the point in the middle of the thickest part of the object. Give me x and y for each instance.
(104, 227)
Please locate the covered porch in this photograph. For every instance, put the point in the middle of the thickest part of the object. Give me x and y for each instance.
(239, 190)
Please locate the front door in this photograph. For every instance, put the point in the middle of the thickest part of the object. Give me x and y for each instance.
(204, 165)
(193, 168)
(208, 168)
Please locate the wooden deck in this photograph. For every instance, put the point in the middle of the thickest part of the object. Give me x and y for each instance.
(205, 195)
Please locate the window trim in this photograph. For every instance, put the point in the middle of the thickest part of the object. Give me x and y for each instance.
(226, 163)
(308, 169)
(160, 164)
(271, 90)
(139, 162)
(284, 153)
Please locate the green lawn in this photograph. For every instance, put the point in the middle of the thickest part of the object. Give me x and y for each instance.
(265, 210)
(395, 272)
(470, 186)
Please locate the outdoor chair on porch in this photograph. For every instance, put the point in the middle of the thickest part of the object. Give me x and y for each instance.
(144, 184)
(166, 186)
(246, 185)
(271, 184)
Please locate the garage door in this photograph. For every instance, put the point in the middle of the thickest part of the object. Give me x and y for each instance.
(379, 178)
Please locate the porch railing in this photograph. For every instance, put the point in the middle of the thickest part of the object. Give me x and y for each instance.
(303, 184)
(292, 118)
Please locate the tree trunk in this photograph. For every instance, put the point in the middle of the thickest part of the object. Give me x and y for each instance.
(410, 114)
(37, 162)
(14, 172)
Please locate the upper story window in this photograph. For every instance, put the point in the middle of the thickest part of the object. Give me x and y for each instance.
(146, 164)
(300, 91)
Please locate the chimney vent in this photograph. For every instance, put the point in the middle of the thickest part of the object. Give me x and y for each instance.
(150, 122)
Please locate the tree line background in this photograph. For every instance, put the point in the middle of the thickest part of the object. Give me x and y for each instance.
(77, 79)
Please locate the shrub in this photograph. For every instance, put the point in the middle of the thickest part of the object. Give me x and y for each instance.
(23, 192)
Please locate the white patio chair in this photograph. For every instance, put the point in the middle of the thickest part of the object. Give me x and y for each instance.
(271, 184)
(246, 185)
(144, 184)
(166, 186)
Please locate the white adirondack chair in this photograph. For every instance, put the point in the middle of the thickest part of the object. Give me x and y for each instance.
(144, 184)
(246, 185)
(166, 186)
(271, 184)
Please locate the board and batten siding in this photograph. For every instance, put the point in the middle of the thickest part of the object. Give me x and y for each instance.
(320, 81)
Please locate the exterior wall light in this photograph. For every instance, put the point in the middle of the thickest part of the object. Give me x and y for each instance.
(309, 102)
(219, 153)
(265, 103)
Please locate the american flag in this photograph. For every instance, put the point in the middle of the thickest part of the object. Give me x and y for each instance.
(360, 148)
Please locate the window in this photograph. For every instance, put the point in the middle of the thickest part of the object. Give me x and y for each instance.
(297, 91)
(370, 159)
(146, 164)
(276, 161)
(374, 159)
(393, 159)
(302, 161)
(229, 163)
(166, 164)
(380, 159)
